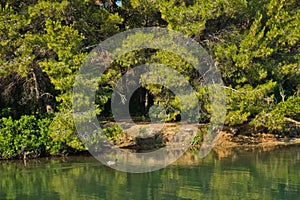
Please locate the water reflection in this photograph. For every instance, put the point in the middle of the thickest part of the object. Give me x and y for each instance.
(252, 174)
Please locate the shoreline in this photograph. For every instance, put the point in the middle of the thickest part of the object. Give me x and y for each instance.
(229, 139)
(221, 150)
(144, 137)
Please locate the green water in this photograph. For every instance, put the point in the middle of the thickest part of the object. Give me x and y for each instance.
(252, 174)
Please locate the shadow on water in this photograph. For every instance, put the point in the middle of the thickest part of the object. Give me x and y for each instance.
(241, 174)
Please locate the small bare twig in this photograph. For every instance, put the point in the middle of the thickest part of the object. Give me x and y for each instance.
(123, 97)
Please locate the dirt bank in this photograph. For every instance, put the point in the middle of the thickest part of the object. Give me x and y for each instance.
(245, 135)
(144, 136)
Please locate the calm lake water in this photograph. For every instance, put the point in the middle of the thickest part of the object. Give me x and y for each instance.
(251, 174)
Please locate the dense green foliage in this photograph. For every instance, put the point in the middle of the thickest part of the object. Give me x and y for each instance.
(27, 136)
(43, 43)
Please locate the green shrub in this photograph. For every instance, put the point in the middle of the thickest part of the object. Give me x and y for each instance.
(197, 140)
(112, 132)
(275, 119)
(63, 133)
(27, 136)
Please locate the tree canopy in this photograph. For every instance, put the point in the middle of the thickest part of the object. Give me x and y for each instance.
(43, 43)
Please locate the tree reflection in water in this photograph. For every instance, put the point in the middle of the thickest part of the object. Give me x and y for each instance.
(252, 174)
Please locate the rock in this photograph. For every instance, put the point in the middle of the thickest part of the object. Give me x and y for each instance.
(150, 142)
